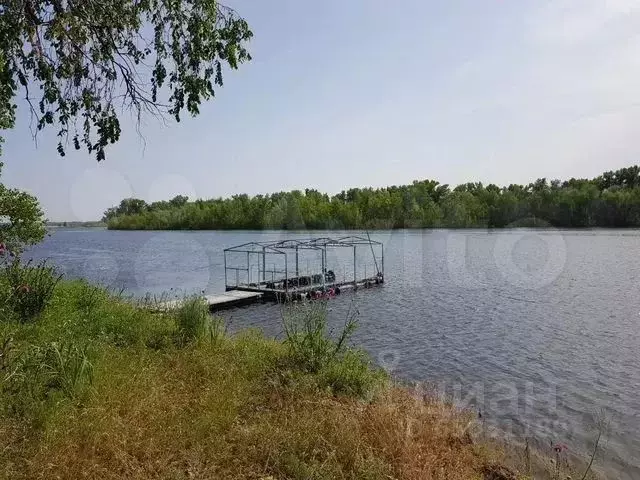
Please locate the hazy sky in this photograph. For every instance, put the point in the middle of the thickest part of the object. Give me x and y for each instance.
(345, 93)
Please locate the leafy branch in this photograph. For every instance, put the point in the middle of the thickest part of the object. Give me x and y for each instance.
(77, 62)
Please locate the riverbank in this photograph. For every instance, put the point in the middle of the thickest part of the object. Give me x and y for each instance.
(94, 386)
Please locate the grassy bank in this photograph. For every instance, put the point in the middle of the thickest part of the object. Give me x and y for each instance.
(93, 386)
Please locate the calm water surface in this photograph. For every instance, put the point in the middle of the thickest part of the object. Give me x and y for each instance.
(537, 329)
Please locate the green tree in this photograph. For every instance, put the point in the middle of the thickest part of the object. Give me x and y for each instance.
(21, 220)
(612, 200)
(80, 61)
(462, 209)
(6, 107)
(128, 206)
(179, 201)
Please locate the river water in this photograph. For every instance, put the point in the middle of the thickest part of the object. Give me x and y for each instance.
(538, 330)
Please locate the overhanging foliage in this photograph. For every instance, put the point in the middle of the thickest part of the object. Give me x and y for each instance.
(79, 62)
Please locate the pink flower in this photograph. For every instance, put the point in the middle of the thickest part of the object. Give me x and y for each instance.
(3, 249)
(560, 447)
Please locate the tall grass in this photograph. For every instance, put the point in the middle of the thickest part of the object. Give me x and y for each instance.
(196, 324)
(89, 298)
(310, 343)
(42, 373)
(28, 288)
(313, 348)
(6, 346)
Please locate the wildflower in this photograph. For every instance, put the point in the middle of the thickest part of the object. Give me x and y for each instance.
(3, 249)
(560, 447)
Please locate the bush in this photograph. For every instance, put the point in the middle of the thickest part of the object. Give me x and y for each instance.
(29, 288)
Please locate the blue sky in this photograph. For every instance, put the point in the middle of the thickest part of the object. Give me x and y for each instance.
(371, 93)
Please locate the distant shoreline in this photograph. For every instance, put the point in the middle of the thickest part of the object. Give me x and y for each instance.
(371, 230)
(611, 200)
(76, 225)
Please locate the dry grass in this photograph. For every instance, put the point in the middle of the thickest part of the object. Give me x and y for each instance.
(225, 413)
(397, 435)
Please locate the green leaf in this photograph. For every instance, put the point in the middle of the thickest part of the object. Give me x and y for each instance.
(82, 59)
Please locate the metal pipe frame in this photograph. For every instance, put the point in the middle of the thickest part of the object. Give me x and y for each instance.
(280, 247)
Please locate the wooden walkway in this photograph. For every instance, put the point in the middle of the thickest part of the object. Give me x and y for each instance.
(232, 298)
(240, 295)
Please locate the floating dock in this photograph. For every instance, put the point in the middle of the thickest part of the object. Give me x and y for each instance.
(248, 279)
(300, 293)
(230, 299)
(246, 267)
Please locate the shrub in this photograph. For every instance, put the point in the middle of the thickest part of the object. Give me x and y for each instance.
(30, 288)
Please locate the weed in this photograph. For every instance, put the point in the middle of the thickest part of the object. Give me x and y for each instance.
(217, 330)
(6, 348)
(70, 370)
(314, 350)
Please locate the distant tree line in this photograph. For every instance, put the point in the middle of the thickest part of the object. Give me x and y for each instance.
(75, 224)
(610, 200)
